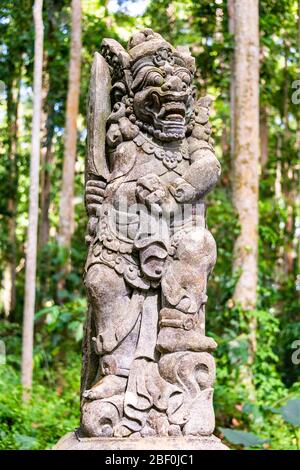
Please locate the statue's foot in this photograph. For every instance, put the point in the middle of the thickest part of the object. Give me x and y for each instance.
(121, 431)
(107, 387)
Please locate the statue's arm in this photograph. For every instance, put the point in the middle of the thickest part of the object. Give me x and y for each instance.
(94, 195)
(201, 176)
(150, 191)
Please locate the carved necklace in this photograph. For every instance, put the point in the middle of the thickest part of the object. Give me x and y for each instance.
(169, 156)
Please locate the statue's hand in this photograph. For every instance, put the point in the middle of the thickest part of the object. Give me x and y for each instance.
(150, 191)
(91, 229)
(182, 190)
(94, 194)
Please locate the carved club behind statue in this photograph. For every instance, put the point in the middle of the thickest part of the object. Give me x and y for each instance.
(147, 368)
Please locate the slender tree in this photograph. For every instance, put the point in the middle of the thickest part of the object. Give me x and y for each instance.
(31, 248)
(288, 172)
(46, 156)
(50, 81)
(298, 137)
(66, 211)
(231, 25)
(264, 136)
(9, 274)
(246, 160)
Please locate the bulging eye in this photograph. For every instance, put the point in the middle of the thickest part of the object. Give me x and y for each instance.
(185, 77)
(154, 79)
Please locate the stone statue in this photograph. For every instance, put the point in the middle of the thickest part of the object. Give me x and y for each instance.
(147, 365)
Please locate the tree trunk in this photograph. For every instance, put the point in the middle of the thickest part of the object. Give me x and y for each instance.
(245, 163)
(231, 18)
(31, 248)
(47, 157)
(299, 33)
(47, 126)
(9, 274)
(66, 211)
(246, 151)
(264, 136)
(46, 186)
(278, 179)
(288, 176)
(297, 172)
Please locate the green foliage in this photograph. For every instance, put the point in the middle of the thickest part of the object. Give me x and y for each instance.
(291, 412)
(246, 439)
(62, 326)
(52, 411)
(54, 406)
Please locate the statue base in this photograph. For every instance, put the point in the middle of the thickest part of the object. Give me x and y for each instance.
(73, 441)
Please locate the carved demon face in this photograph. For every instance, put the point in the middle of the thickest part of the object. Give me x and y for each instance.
(163, 96)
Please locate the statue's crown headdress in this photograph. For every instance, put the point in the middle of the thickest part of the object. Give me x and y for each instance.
(143, 46)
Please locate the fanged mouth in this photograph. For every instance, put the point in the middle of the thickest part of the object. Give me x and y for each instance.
(169, 114)
(172, 111)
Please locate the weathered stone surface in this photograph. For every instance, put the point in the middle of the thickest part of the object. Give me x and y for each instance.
(98, 112)
(71, 441)
(148, 372)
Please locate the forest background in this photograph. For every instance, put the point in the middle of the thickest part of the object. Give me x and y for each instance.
(257, 396)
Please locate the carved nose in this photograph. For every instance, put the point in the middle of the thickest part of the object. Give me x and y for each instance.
(173, 84)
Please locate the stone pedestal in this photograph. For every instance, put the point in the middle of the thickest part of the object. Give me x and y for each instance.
(73, 441)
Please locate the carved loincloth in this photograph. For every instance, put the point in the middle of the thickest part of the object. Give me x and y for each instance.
(114, 248)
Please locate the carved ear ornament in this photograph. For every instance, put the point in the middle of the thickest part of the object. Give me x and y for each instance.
(118, 111)
(119, 63)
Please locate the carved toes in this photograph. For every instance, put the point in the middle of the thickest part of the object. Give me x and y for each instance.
(108, 386)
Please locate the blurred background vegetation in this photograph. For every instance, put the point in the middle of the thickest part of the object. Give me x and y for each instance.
(270, 419)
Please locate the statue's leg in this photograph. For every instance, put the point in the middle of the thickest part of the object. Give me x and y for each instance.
(109, 297)
(184, 294)
(185, 349)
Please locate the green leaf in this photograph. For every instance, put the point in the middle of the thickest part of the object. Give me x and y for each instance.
(247, 439)
(291, 412)
(238, 349)
(79, 332)
(25, 442)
